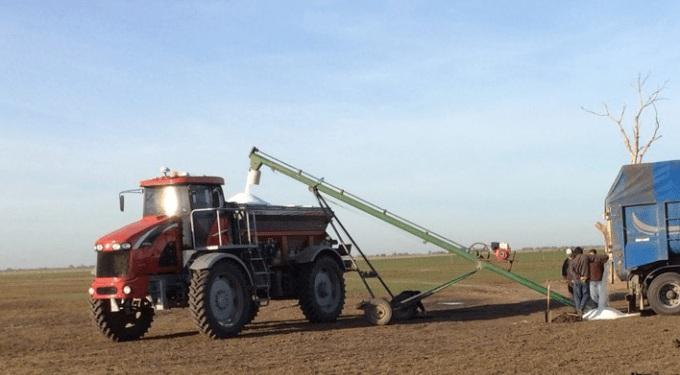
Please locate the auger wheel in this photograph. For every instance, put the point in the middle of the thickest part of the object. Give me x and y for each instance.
(378, 311)
(132, 320)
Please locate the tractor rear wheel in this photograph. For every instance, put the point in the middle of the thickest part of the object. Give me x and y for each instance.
(322, 290)
(663, 294)
(220, 301)
(253, 313)
(131, 322)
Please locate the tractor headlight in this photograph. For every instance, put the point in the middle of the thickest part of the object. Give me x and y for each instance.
(127, 289)
(98, 247)
(121, 246)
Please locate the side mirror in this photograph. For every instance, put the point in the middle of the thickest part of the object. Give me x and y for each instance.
(121, 202)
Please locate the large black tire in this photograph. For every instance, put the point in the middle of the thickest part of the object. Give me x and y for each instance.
(220, 300)
(321, 290)
(124, 325)
(253, 313)
(663, 294)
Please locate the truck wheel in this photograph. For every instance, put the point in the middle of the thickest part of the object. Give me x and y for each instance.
(664, 294)
(127, 324)
(220, 301)
(322, 290)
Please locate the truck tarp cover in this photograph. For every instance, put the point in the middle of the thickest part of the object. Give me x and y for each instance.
(644, 213)
(646, 183)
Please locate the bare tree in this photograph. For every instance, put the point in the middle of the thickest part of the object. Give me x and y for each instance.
(631, 137)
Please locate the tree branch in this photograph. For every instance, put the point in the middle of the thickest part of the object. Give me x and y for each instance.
(654, 136)
(645, 101)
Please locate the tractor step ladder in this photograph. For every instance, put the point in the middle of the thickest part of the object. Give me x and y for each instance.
(258, 263)
(259, 158)
(261, 275)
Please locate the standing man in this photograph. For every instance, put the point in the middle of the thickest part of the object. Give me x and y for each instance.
(565, 271)
(597, 263)
(580, 269)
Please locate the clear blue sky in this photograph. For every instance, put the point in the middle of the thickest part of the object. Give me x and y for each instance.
(461, 116)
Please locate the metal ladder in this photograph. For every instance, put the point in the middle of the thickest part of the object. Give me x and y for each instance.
(258, 263)
(261, 274)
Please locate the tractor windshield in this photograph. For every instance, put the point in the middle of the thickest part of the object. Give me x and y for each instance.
(165, 200)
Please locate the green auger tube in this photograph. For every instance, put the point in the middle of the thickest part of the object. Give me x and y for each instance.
(258, 158)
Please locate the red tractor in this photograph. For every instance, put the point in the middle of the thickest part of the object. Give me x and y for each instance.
(223, 260)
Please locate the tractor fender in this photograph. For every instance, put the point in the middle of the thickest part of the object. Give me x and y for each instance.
(658, 271)
(311, 253)
(207, 261)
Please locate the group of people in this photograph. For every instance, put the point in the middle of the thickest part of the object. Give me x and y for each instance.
(584, 274)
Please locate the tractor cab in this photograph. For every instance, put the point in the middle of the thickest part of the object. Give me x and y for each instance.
(178, 196)
(182, 196)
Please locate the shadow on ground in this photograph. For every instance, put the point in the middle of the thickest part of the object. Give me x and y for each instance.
(457, 314)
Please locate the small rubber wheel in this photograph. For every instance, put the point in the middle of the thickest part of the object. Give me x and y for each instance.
(664, 294)
(378, 311)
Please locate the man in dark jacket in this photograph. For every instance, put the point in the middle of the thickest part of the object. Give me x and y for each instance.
(597, 263)
(580, 269)
(565, 271)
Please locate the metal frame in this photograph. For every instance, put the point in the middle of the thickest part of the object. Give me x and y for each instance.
(247, 214)
(259, 158)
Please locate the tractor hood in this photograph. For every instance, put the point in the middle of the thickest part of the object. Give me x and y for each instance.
(137, 234)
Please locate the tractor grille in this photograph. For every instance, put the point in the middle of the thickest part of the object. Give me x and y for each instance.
(112, 263)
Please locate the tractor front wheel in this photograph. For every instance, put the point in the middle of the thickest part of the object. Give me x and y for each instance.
(220, 300)
(131, 321)
(322, 290)
(663, 294)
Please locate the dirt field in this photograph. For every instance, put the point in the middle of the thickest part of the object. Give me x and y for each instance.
(497, 328)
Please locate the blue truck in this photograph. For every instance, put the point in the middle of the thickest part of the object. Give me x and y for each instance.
(643, 214)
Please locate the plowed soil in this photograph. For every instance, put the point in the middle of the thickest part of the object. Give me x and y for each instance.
(471, 328)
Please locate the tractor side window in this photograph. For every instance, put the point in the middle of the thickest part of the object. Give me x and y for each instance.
(206, 197)
(217, 199)
(201, 197)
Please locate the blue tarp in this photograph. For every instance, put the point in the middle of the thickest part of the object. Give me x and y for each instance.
(646, 183)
